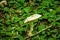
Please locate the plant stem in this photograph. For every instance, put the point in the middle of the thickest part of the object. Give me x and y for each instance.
(31, 28)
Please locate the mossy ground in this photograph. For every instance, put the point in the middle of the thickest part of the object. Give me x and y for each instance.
(12, 17)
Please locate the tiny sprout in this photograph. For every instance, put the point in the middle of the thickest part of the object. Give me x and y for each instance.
(33, 17)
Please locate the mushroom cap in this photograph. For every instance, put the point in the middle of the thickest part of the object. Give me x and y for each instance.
(32, 17)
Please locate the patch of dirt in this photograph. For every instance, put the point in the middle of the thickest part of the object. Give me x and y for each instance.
(2, 14)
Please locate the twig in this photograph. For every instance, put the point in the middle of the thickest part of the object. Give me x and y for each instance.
(38, 32)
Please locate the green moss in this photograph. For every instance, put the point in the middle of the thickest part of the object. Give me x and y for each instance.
(12, 25)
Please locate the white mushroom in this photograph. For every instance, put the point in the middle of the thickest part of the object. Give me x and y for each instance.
(30, 20)
(33, 17)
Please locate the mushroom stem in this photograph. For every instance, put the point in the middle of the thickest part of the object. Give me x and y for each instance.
(31, 28)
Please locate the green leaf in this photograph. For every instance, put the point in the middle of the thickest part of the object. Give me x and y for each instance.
(36, 38)
(41, 27)
(12, 10)
(45, 15)
(8, 22)
(20, 37)
(7, 16)
(54, 31)
(6, 9)
(58, 36)
(21, 23)
(20, 29)
(11, 2)
(42, 38)
(48, 33)
(14, 18)
(50, 39)
(54, 23)
(35, 11)
(58, 18)
(22, 1)
(43, 32)
(27, 9)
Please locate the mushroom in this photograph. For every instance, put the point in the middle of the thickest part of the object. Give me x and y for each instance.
(30, 20)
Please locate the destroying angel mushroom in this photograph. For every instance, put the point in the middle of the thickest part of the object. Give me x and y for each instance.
(33, 17)
(30, 20)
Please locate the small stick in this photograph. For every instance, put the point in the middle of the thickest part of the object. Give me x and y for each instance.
(38, 32)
